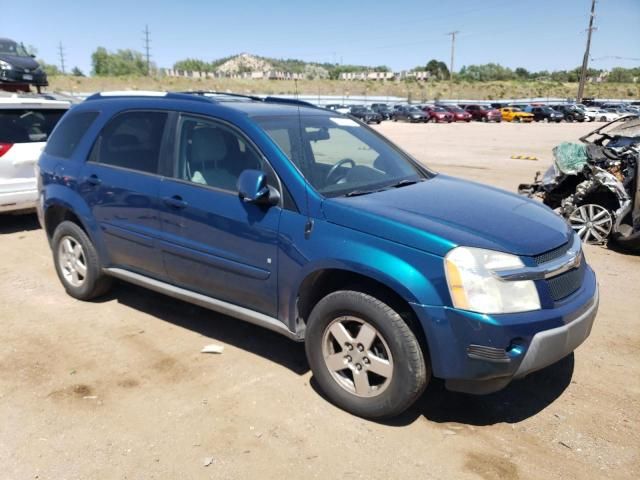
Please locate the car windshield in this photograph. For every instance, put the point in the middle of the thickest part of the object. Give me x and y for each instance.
(338, 156)
(12, 48)
(456, 109)
(414, 110)
(515, 109)
(438, 109)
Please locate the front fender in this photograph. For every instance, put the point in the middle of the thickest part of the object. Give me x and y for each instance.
(417, 276)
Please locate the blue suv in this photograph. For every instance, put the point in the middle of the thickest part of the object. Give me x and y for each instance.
(313, 225)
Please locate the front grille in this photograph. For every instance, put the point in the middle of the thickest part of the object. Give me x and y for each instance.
(552, 254)
(565, 284)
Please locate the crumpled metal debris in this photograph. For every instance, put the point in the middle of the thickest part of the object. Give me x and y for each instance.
(596, 185)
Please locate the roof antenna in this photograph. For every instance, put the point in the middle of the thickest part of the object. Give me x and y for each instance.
(308, 227)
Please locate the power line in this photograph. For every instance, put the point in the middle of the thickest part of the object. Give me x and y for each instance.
(147, 48)
(61, 54)
(585, 60)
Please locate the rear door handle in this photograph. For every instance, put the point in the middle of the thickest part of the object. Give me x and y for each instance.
(176, 202)
(93, 180)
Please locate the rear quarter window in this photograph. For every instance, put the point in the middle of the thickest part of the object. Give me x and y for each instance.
(69, 133)
(28, 125)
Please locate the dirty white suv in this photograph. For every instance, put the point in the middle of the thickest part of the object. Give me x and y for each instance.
(25, 125)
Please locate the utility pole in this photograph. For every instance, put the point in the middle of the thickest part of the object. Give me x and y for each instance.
(453, 52)
(585, 60)
(147, 48)
(61, 54)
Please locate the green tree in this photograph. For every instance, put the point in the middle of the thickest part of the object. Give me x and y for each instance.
(192, 65)
(76, 72)
(122, 62)
(437, 69)
(49, 68)
(522, 73)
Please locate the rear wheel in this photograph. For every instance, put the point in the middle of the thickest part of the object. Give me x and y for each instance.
(77, 264)
(364, 356)
(517, 119)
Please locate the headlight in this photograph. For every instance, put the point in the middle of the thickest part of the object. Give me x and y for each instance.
(5, 66)
(474, 286)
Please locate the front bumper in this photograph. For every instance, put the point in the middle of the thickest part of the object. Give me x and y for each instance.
(17, 75)
(480, 354)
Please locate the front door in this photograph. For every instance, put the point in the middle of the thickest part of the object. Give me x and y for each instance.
(214, 243)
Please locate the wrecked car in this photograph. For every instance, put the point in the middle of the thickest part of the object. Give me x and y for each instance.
(595, 184)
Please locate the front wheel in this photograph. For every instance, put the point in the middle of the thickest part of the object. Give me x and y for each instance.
(364, 356)
(77, 263)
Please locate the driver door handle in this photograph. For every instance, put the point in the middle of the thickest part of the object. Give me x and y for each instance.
(176, 202)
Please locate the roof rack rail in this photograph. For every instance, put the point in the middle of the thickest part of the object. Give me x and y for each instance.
(267, 99)
(289, 101)
(144, 93)
(214, 93)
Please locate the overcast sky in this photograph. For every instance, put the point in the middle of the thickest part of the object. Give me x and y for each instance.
(535, 34)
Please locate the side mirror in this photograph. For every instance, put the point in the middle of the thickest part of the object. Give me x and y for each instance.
(253, 188)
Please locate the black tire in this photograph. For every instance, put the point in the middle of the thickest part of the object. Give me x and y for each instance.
(411, 370)
(484, 119)
(95, 282)
(630, 243)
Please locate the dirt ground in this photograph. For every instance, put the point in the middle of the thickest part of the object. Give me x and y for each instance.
(117, 389)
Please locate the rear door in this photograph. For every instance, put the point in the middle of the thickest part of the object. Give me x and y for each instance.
(120, 182)
(24, 131)
(214, 242)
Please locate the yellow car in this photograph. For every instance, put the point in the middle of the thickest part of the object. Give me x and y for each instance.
(513, 114)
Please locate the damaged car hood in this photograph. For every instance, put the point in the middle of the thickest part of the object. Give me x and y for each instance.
(440, 213)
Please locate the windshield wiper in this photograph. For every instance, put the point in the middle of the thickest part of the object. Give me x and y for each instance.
(404, 183)
(355, 193)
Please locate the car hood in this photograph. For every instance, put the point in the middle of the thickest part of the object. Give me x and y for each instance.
(443, 212)
(20, 62)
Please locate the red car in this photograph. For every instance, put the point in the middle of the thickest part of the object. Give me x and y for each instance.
(437, 114)
(459, 115)
(484, 113)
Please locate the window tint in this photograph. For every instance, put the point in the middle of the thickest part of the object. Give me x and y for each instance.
(25, 125)
(131, 140)
(213, 154)
(69, 133)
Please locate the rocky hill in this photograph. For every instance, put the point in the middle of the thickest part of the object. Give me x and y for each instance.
(245, 62)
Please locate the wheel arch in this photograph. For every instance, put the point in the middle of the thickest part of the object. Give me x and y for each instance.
(59, 205)
(321, 282)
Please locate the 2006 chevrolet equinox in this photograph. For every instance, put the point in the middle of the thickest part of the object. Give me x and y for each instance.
(313, 225)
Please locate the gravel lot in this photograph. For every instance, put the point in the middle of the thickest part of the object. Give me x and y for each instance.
(118, 388)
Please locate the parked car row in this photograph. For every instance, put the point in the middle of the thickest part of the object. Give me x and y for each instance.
(494, 112)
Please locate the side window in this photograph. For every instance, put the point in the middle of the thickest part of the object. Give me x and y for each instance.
(69, 132)
(131, 140)
(212, 154)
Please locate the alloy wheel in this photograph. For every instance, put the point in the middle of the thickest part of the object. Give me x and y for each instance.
(592, 223)
(357, 356)
(72, 261)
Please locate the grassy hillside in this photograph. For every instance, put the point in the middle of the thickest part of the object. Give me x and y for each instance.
(417, 91)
